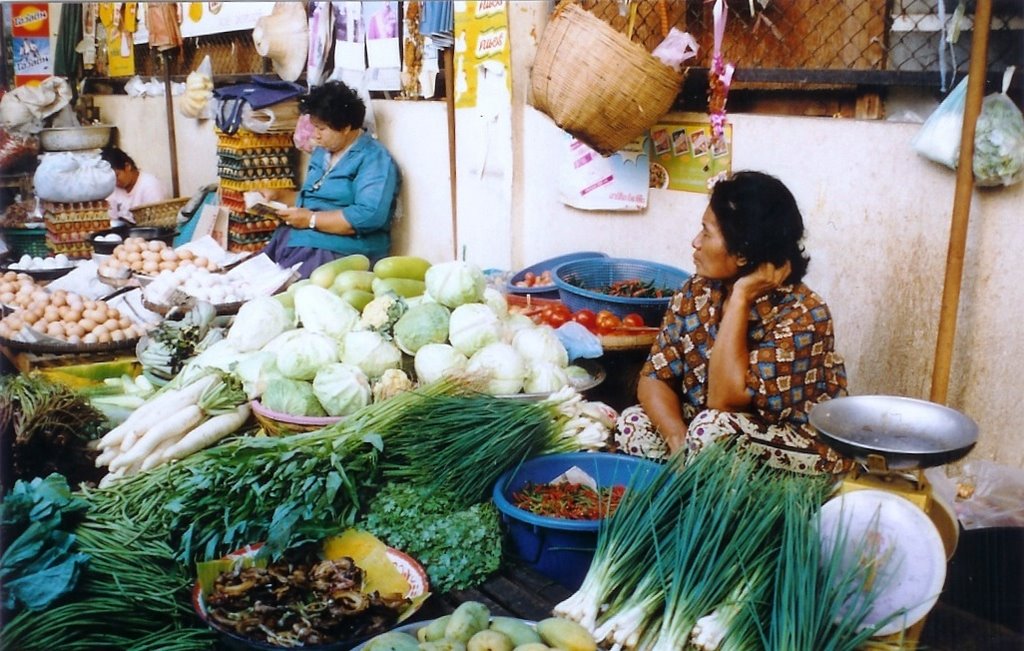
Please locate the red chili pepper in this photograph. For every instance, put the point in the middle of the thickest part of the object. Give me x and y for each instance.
(568, 500)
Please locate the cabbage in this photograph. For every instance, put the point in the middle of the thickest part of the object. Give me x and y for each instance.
(422, 325)
(257, 322)
(545, 377)
(455, 283)
(321, 310)
(255, 371)
(496, 301)
(540, 345)
(500, 367)
(578, 376)
(300, 353)
(515, 322)
(221, 355)
(473, 326)
(292, 397)
(341, 388)
(434, 361)
(371, 352)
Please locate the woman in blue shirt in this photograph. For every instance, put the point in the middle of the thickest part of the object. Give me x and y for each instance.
(348, 199)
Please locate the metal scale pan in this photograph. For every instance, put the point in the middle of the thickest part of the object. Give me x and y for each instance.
(906, 433)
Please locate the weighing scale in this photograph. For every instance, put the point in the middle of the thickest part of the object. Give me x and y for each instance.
(893, 439)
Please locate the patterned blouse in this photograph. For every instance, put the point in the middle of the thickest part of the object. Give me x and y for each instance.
(793, 363)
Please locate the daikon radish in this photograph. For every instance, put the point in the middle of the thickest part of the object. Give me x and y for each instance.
(174, 426)
(108, 455)
(127, 443)
(155, 457)
(110, 478)
(207, 434)
(157, 408)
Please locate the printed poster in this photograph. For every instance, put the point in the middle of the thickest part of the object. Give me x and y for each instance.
(202, 18)
(30, 42)
(349, 50)
(590, 181)
(684, 156)
(482, 52)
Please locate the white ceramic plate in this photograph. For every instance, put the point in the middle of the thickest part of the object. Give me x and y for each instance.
(897, 530)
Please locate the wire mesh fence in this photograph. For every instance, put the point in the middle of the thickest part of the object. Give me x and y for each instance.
(871, 42)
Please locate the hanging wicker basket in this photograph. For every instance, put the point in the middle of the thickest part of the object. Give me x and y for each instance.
(596, 83)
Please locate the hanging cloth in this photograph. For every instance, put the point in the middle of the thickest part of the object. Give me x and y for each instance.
(69, 33)
(162, 21)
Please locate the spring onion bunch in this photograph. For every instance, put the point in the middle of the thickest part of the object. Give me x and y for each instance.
(460, 443)
(844, 592)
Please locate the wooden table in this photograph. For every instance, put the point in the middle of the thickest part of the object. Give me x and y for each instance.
(518, 591)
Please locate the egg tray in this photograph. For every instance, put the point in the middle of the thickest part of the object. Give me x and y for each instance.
(250, 238)
(245, 186)
(228, 172)
(54, 347)
(77, 250)
(248, 247)
(244, 139)
(250, 225)
(81, 234)
(246, 159)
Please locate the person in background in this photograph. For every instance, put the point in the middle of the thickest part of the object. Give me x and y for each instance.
(348, 199)
(133, 188)
(746, 349)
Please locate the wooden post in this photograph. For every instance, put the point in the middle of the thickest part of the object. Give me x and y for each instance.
(449, 94)
(171, 139)
(961, 204)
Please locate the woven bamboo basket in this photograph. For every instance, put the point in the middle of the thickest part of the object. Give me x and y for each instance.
(163, 214)
(597, 84)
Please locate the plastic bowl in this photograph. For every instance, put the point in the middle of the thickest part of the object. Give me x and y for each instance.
(558, 548)
(546, 291)
(579, 281)
(408, 567)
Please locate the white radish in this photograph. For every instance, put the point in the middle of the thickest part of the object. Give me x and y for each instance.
(155, 458)
(105, 457)
(208, 433)
(128, 442)
(110, 478)
(156, 409)
(173, 426)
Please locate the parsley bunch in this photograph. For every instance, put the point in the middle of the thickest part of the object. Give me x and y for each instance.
(458, 548)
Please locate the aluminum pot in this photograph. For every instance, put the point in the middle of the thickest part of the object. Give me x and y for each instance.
(75, 138)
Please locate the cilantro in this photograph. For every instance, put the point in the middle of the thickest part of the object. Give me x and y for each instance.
(458, 548)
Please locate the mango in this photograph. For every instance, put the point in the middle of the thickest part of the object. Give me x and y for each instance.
(401, 266)
(393, 641)
(488, 640)
(516, 629)
(468, 619)
(565, 634)
(444, 644)
(434, 630)
(532, 646)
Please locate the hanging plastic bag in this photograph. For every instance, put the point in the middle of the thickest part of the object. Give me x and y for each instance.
(999, 139)
(939, 137)
(195, 103)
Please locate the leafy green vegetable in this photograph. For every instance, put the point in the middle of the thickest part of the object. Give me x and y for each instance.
(40, 564)
(293, 397)
(458, 547)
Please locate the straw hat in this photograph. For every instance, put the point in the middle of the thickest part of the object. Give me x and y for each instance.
(284, 37)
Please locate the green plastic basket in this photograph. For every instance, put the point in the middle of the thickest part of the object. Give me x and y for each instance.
(30, 241)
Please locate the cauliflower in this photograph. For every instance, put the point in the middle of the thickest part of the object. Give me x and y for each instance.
(392, 382)
(381, 314)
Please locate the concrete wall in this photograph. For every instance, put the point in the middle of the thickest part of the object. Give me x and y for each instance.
(877, 216)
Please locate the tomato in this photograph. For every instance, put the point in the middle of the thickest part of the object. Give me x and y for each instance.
(586, 318)
(556, 314)
(633, 320)
(607, 321)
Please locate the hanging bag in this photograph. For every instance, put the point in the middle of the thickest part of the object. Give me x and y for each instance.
(258, 93)
(938, 139)
(999, 139)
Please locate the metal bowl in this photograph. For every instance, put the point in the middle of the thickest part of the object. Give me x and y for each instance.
(906, 432)
(75, 138)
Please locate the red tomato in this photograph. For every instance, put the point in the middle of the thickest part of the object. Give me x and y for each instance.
(607, 321)
(633, 320)
(586, 318)
(555, 315)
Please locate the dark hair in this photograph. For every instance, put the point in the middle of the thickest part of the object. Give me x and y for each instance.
(760, 221)
(337, 105)
(117, 158)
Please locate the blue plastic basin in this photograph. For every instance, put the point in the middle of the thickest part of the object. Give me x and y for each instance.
(557, 548)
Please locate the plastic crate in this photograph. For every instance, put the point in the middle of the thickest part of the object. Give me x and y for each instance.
(26, 241)
(546, 291)
(578, 282)
(558, 548)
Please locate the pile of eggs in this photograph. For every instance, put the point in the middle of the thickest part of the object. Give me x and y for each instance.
(198, 282)
(18, 290)
(29, 263)
(69, 317)
(149, 257)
